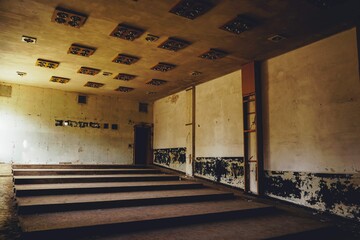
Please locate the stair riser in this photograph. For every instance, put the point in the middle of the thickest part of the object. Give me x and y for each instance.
(104, 230)
(74, 166)
(94, 172)
(119, 203)
(42, 192)
(90, 179)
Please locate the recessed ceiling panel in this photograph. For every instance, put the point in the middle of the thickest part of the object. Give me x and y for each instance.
(163, 67)
(46, 63)
(174, 44)
(213, 54)
(239, 24)
(81, 50)
(126, 59)
(191, 8)
(94, 84)
(89, 71)
(124, 89)
(124, 77)
(68, 17)
(61, 80)
(126, 32)
(156, 82)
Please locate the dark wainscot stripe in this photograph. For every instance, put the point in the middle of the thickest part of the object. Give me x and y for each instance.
(174, 158)
(226, 170)
(334, 193)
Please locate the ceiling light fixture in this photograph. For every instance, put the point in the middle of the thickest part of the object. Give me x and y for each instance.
(163, 67)
(124, 89)
(276, 38)
(27, 39)
(46, 63)
(124, 77)
(126, 32)
(174, 44)
(191, 9)
(213, 54)
(151, 38)
(68, 17)
(156, 82)
(81, 50)
(125, 59)
(21, 74)
(94, 84)
(61, 80)
(239, 24)
(89, 71)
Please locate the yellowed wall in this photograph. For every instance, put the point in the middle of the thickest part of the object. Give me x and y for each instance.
(312, 107)
(28, 133)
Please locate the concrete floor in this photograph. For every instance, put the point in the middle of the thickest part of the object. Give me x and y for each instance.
(289, 219)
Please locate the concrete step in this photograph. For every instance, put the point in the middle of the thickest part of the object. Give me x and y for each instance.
(102, 187)
(84, 223)
(71, 202)
(93, 178)
(75, 166)
(42, 172)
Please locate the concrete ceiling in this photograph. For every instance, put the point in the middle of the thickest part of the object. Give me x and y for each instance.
(300, 21)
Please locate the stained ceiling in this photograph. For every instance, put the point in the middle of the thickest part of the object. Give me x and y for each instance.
(144, 50)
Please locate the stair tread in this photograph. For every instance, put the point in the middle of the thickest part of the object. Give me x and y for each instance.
(99, 185)
(93, 176)
(74, 219)
(105, 197)
(82, 169)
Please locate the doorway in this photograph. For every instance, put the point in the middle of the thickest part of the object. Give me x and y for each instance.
(142, 146)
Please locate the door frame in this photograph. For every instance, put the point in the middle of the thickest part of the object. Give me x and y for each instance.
(149, 155)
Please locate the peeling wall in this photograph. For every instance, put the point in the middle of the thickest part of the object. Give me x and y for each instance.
(311, 125)
(334, 193)
(170, 131)
(226, 170)
(28, 133)
(174, 158)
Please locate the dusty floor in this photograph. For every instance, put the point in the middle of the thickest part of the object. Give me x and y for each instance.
(288, 220)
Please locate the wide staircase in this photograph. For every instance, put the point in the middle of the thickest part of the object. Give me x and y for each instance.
(76, 201)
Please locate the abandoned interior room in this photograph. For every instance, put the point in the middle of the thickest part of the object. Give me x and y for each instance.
(179, 119)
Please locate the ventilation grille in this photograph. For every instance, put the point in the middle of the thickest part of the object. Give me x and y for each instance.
(191, 8)
(156, 82)
(125, 59)
(239, 24)
(143, 107)
(276, 38)
(28, 39)
(46, 63)
(163, 67)
(88, 71)
(214, 54)
(174, 44)
(81, 50)
(124, 89)
(94, 84)
(68, 17)
(61, 80)
(124, 77)
(126, 32)
(82, 99)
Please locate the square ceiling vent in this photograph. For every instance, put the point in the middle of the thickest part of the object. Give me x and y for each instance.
(125, 77)
(174, 44)
(124, 89)
(68, 17)
(89, 71)
(163, 67)
(94, 84)
(191, 9)
(156, 82)
(126, 32)
(61, 80)
(81, 50)
(213, 54)
(46, 63)
(239, 24)
(126, 59)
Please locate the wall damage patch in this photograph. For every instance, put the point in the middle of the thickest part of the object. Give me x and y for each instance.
(226, 170)
(174, 158)
(334, 193)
